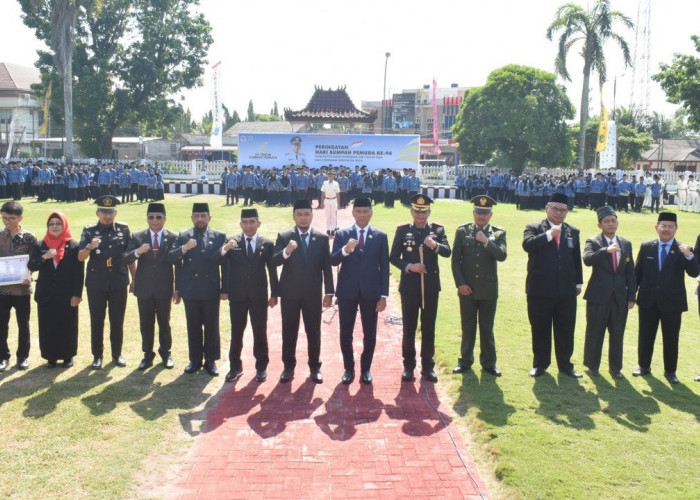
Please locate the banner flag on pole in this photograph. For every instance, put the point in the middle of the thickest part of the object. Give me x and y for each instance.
(217, 112)
(44, 129)
(602, 142)
(435, 119)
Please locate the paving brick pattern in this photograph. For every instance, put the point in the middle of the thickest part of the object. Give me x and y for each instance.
(306, 441)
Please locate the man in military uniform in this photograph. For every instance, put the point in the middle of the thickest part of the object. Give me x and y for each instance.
(477, 249)
(106, 280)
(420, 283)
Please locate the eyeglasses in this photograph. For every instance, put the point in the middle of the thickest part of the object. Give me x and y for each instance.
(9, 219)
(666, 226)
(154, 217)
(558, 210)
(54, 224)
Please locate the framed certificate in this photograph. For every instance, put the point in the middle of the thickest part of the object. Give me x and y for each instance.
(13, 269)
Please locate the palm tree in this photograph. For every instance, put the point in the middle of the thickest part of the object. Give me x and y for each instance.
(592, 28)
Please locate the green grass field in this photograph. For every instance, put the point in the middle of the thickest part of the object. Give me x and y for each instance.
(77, 433)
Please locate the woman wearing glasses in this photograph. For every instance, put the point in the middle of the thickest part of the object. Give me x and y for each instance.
(59, 291)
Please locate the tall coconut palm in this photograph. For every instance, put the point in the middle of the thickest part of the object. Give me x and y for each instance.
(593, 28)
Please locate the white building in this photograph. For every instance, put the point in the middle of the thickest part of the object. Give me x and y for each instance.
(17, 99)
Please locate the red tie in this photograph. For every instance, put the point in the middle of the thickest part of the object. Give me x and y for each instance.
(155, 245)
(361, 243)
(556, 238)
(614, 257)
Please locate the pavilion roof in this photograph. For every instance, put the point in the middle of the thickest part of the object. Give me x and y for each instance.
(330, 106)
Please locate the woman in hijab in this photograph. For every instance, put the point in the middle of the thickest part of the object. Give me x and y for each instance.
(59, 291)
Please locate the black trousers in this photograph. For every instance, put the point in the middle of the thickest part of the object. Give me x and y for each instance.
(22, 306)
(557, 313)
(389, 199)
(97, 303)
(648, 326)
(410, 306)
(347, 314)
(310, 309)
(485, 310)
(203, 344)
(239, 310)
(151, 309)
(599, 317)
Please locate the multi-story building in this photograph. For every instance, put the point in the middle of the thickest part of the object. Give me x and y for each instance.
(20, 112)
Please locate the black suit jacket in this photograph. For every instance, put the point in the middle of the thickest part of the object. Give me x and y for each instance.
(245, 278)
(665, 288)
(154, 277)
(199, 276)
(301, 275)
(363, 274)
(604, 281)
(57, 283)
(552, 272)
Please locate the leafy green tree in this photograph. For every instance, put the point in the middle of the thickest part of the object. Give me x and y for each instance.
(681, 82)
(251, 112)
(129, 56)
(521, 113)
(592, 28)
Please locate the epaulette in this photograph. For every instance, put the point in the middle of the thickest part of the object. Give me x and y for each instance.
(90, 226)
(404, 225)
(496, 228)
(437, 225)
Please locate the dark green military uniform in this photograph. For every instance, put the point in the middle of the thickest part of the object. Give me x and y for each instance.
(475, 265)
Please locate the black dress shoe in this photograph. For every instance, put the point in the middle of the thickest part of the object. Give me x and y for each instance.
(537, 371)
(233, 375)
(572, 373)
(671, 377)
(348, 377)
(592, 373)
(407, 375)
(23, 364)
(286, 376)
(67, 363)
(169, 363)
(640, 372)
(192, 368)
(317, 377)
(461, 369)
(366, 377)
(616, 375)
(120, 361)
(211, 368)
(51, 363)
(492, 370)
(261, 376)
(96, 364)
(3, 364)
(430, 375)
(145, 363)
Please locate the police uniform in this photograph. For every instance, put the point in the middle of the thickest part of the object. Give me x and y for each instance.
(475, 265)
(106, 282)
(404, 252)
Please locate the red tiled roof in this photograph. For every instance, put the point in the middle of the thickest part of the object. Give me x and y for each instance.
(330, 106)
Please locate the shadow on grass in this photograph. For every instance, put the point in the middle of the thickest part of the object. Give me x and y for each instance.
(134, 387)
(485, 395)
(565, 402)
(83, 381)
(282, 406)
(344, 411)
(418, 406)
(26, 383)
(625, 405)
(678, 396)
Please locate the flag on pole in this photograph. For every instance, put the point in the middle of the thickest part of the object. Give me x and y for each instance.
(11, 135)
(44, 129)
(602, 142)
(435, 120)
(217, 112)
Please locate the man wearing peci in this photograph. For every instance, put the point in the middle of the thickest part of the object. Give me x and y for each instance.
(247, 264)
(199, 285)
(362, 252)
(304, 256)
(477, 249)
(696, 251)
(609, 294)
(153, 284)
(554, 280)
(662, 264)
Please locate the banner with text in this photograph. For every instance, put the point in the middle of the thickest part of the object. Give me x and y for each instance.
(318, 150)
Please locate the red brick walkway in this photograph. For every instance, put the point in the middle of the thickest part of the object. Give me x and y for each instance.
(303, 440)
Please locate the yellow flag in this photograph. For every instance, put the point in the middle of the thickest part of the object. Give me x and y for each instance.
(602, 142)
(44, 129)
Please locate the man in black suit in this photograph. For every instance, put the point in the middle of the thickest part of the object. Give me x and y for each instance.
(661, 265)
(554, 280)
(153, 284)
(305, 258)
(420, 283)
(696, 251)
(363, 281)
(247, 256)
(199, 284)
(609, 294)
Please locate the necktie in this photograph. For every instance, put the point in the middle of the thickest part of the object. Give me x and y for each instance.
(249, 248)
(361, 243)
(155, 246)
(556, 239)
(614, 259)
(664, 254)
(303, 242)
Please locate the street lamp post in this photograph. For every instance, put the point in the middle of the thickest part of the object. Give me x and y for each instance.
(386, 62)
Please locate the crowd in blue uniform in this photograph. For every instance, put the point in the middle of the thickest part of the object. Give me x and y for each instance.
(48, 180)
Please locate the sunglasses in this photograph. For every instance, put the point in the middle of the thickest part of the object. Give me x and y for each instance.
(154, 217)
